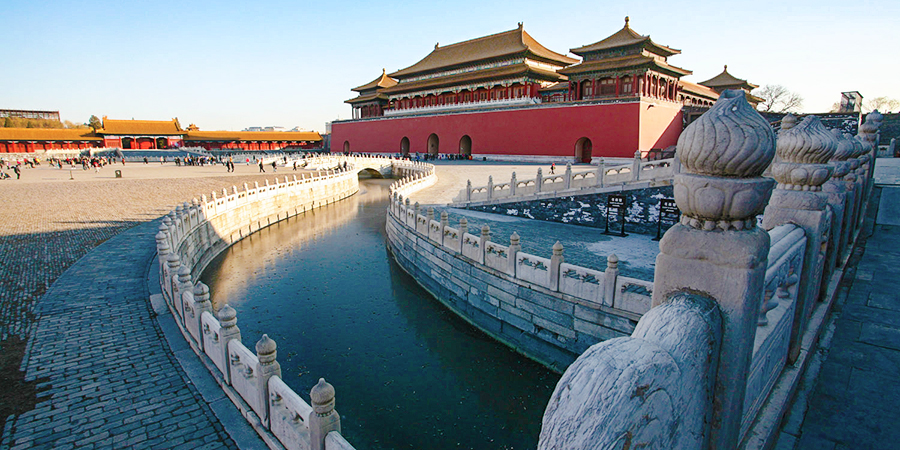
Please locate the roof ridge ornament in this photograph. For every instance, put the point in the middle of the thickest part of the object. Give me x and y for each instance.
(436, 45)
(626, 21)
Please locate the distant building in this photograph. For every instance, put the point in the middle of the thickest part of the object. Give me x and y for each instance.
(28, 114)
(851, 102)
(506, 96)
(149, 135)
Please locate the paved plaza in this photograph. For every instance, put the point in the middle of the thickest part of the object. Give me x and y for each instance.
(74, 316)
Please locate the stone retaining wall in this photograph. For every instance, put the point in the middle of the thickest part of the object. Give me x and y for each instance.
(542, 307)
(191, 236)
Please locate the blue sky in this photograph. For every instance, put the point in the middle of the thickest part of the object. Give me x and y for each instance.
(227, 65)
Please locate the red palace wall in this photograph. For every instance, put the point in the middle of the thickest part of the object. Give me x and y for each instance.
(615, 130)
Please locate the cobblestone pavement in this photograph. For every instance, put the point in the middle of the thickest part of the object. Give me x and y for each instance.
(855, 403)
(102, 375)
(106, 378)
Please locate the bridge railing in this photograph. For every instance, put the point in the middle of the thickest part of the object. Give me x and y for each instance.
(737, 310)
(189, 237)
(569, 182)
(598, 288)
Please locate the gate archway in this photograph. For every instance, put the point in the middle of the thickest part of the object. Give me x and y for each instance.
(583, 150)
(465, 145)
(346, 146)
(433, 144)
(404, 146)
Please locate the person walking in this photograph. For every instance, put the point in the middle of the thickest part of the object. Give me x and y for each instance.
(274, 166)
(261, 169)
(16, 170)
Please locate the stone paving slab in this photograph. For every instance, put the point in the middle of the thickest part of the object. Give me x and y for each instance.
(856, 399)
(109, 378)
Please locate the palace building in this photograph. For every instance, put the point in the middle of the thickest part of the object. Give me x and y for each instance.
(506, 96)
(151, 134)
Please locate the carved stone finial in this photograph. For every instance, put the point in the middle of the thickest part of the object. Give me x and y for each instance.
(804, 151)
(201, 292)
(807, 143)
(485, 231)
(724, 153)
(844, 147)
(789, 121)
(514, 238)
(612, 261)
(322, 397)
(626, 21)
(227, 316)
(729, 140)
(266, 350)
(557, 248)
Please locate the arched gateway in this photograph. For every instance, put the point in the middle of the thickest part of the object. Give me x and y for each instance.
(433, 144)
(465, 146)
(404, 146)
(583, 149)
(346, 146)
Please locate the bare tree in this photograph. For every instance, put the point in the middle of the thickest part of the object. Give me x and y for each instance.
(882, 104)
(778, 99)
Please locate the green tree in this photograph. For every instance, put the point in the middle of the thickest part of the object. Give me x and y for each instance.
(95, 123)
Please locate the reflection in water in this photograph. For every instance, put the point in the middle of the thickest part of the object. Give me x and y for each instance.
(407, 372)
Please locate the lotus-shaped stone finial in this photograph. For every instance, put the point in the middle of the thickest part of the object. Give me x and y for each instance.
(730, 140)
(807, 143)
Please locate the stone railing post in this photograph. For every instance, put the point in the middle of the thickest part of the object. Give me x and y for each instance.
(512, 185)
(162, 251)
(463, 229)
(868, 132)
(892, 148)
(636, 166)
(490, 187)
(482, 242)
(676, 164)
(185, 292)
(717, 248)
(555, 261)
(836, 189)
(444, 223)
(323, 419)
(514, 248)
(539, 181)
(601, 173)
(267, 367)
(610, 278)
(227, 318)
(430, 214)
(173, 262)
(416, 215)
(804, 152)
(201, 304)
(568, 180)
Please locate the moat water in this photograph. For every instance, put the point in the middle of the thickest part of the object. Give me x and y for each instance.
(407, 372)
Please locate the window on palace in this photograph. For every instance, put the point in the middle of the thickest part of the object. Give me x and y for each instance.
(482, 96)
(607, 86)
(627, 85)
(468, 97)
(518, 92)
(587, 89)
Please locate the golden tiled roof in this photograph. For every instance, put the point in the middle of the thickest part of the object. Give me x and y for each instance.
(48, 134)
(558, 86)
(698, 89)
(471, 77)
(367, 98)
(252, 136)
(622, 62)
(141, 127)
(507, 43)
(727, 80)
(623, 38)
(383, 81)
